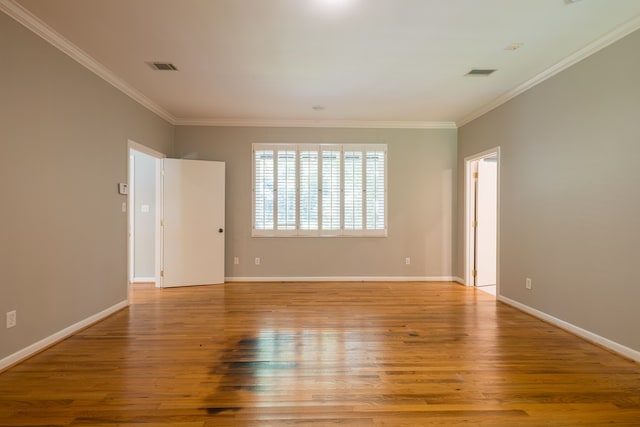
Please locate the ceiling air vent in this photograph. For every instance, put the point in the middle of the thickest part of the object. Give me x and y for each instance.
(480, 72)
(162, 66)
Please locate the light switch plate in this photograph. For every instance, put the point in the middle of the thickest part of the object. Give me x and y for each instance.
(11, 319)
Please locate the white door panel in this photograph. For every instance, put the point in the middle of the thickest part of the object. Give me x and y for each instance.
(193, 222)
(487, 204)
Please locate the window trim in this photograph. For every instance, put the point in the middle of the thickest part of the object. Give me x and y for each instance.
(298, 148)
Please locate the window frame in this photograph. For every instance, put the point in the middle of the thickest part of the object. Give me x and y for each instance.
(319, 231)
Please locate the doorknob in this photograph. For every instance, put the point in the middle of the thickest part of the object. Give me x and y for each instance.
(220, 230)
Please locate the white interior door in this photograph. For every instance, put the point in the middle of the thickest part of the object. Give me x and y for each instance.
(193, 222)
(487, 218)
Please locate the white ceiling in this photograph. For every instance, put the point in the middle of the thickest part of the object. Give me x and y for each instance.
(366, 62)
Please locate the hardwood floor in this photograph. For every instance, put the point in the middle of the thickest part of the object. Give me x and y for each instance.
(321, 354)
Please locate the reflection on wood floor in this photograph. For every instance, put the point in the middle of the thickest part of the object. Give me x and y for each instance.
(320, 354)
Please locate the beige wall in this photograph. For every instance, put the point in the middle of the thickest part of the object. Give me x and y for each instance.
(64, 134)
(570, 203)
(421, 184)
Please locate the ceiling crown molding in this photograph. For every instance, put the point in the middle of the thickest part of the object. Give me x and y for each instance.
(33, 23)
(369, 124)
(599, 44)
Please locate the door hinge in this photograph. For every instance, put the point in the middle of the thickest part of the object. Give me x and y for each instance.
(474, 273)
(161, 223)
(161, 273)
(474, 224)
(475, 175)
(162, 172)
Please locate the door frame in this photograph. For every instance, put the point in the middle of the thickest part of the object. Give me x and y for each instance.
(134, 146)
(469, 214)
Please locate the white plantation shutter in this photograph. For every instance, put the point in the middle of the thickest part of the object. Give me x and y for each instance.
(319, 190)
(331, 195)
(286, 189)
(263, 189)
(376, 189)
(308, 202)
(353, 190)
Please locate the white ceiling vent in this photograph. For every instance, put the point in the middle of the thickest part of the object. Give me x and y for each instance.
(481, 72)
(162, 66)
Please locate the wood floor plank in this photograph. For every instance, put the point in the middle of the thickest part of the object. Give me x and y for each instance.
(321, 354)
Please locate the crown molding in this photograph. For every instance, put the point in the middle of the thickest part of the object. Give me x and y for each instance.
(369, 124)
(33, 23)
(599, 44)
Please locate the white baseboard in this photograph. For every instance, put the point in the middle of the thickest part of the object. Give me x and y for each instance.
(343, 279)
(576, 330)
(459, 280)
(58, 336)
(144, 280)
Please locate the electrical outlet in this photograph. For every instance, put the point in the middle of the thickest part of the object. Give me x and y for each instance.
(407, 260)
(11, 319)
(236, 260)
(527, 283)
(257, 260)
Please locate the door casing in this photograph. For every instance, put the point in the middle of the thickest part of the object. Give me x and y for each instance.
(134, 146)
(469, 203)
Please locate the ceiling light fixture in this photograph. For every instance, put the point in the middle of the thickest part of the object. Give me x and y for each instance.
(513, 46)
(333, 5)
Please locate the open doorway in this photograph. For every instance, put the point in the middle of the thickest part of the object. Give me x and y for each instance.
(481, 220)
(145, 202)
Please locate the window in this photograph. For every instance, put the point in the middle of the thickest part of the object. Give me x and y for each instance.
(319, 190)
